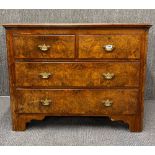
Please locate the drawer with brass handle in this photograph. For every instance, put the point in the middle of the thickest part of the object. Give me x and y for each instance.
(110, 46)
(44, 46)
(81, 74)
(93, 102)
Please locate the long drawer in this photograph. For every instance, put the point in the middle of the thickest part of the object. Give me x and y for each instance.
(110, 46)
(81, 74)
(44, 46)
(78, 102)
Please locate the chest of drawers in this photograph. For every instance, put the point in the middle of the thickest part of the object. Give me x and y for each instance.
(77, 70)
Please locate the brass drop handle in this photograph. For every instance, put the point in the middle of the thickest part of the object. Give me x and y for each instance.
(107, 103)
(45, 102)
(109, 48)
(44, 47)
(45, 75)
(108, 76)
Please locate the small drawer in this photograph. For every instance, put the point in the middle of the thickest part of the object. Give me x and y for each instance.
(78, 102)
(81, 74)
(44, 46)
(109, 46)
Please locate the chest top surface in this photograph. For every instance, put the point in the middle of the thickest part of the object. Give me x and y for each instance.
(133, 25)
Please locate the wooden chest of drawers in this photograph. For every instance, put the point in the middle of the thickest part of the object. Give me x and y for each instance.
(77, 70)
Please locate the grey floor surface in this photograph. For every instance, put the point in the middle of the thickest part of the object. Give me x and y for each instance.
(76, 131)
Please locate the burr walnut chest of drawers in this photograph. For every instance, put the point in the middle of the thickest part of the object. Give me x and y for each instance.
(77, 70)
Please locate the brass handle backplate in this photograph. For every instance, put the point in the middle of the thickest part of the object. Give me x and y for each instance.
(45, 102)
(108, 76)
(45, 75)
(44, 47)
(107, 103)
(109, 48)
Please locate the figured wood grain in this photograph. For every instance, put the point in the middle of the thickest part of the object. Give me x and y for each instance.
(61, 46)
(11, 69)
(125, 46)
(78, 101)
(81, 74)
(24, 118)
(19, 124)
(30, 17)
(84, 73)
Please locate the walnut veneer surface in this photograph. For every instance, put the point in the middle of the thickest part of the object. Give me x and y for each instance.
(77, 70)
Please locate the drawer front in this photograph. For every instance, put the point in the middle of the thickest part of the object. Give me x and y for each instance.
(82, 102)
(71, 74)
(44, 46)
(109, 46)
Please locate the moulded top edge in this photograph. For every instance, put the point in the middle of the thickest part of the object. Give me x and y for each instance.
(76, 25)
